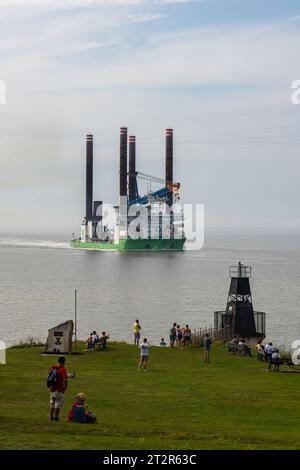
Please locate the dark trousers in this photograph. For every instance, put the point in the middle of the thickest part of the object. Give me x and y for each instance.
(269, 357)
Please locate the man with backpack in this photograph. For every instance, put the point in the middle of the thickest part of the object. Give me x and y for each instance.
(57, 383)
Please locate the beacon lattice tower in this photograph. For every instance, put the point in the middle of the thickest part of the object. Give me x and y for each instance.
(239, 318)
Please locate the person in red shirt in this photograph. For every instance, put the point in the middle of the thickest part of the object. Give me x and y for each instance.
(58, 382)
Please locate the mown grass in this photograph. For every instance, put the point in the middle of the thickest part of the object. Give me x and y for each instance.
(180, 403)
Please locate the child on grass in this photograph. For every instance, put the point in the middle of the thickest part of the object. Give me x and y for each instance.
(79, 413)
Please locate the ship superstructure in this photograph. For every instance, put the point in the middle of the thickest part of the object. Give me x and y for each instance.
(152, 221)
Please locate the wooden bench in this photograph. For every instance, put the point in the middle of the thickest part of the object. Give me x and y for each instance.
(285, 362)
(100, 343)
(236, 348)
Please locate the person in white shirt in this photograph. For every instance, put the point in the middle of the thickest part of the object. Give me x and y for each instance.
(95, 337)
(269, 351)
(276, 360)
(144, 347)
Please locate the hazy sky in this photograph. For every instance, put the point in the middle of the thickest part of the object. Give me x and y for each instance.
(218, 71)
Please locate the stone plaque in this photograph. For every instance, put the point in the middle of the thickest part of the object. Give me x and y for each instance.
(59, 339)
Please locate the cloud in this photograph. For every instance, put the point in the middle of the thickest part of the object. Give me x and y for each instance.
(71, 4)
(214, 55)
(178, 1)
(145, 17)
(64, 35)
(225, 88)
(210, 56)
(89, 46)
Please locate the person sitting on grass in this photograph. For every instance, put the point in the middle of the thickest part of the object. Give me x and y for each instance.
(276, 360)
(95, 337)
(162, 343)
(89, 343)
(235, 340)
(78, 413)
(233, 345)
(245, 348)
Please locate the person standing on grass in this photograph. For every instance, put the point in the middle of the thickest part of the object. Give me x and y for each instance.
(137, 332)
(260, 351)
(144, 347)
(276, 360)
(57, 383)
(187, 336)
(207, 347)
(268, 352)
(179, 336)
(173, 335)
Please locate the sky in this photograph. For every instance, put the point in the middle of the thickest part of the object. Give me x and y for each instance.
(218, 71)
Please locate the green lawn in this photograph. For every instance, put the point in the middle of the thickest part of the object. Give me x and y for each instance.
(180, 403)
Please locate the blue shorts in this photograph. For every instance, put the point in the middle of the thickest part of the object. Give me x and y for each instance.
(137, 335)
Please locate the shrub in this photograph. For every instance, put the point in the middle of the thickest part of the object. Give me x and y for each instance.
(30, 342)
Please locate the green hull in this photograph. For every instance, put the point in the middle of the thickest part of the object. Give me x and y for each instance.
(132, 245)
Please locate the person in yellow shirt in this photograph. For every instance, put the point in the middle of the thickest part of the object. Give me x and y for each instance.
(261, 356)
(137, 332)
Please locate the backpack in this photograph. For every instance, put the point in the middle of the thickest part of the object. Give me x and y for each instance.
(52, 377)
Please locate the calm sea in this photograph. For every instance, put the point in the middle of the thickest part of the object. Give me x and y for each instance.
(38, 279)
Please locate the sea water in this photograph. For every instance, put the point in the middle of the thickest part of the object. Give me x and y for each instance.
(39, 277)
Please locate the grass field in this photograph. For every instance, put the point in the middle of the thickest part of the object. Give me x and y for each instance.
(180, 403)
